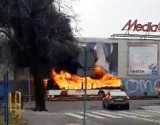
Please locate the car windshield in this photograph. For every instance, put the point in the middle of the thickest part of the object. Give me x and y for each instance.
(118, 93)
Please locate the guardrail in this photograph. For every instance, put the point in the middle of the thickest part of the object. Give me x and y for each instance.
(10, 102)
(16, 105)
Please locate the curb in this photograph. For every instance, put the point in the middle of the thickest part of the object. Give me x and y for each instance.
(75, 99)
(144, 97)
(95, 98)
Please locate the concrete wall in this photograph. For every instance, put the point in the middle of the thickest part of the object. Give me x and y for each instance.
(141, 86)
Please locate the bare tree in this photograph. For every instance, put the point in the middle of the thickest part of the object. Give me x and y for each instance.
(40, 37)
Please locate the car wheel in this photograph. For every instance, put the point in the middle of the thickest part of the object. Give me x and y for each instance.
(104, 105)
(127, 107)
(108, 106)
(64, 93)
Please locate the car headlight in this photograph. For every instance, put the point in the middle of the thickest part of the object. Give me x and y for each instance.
(50, 96)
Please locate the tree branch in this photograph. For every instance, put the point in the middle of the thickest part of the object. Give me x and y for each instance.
(11, 38)
(47, 2)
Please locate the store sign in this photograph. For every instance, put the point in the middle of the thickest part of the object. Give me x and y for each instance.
(143, 59)
(135, 26)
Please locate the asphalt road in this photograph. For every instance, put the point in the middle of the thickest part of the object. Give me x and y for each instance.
(61, 106)
(71, 113)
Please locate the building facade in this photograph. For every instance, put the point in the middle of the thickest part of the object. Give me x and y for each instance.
(138, 62)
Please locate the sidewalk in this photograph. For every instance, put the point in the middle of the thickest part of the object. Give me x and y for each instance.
(40, 118)
(55, 118)
(46, 118)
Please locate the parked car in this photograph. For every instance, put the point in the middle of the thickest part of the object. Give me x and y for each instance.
(116, 98)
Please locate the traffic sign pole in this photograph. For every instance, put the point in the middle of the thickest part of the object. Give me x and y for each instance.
(87, 60)
(5, 99)
(85, 92)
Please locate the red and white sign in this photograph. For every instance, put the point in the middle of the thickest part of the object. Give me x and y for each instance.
(147, 27)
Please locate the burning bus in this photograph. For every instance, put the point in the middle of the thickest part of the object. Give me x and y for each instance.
(64, 83)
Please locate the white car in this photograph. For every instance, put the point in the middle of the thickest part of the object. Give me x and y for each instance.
(115, 98)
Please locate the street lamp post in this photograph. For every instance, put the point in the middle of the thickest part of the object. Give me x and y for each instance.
(85, 90)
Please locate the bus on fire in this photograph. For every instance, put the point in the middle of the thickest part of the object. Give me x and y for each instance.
(64, 83)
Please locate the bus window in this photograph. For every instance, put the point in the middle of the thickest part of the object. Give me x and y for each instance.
(51, 85)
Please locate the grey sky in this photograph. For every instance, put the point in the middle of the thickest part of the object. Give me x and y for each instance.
(102, 18)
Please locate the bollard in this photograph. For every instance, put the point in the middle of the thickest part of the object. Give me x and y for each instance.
(10, 102)
(18, 104)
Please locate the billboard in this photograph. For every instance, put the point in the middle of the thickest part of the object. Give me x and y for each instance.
(107, 54)
(142, 59)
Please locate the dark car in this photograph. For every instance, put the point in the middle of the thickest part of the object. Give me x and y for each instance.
(116, 98)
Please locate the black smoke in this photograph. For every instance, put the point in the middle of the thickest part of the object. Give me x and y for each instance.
(44, 34)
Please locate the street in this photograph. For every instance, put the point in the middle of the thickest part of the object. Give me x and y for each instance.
(71, 113)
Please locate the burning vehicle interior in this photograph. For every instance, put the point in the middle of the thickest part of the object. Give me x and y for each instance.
(101, 78)
(66, 80)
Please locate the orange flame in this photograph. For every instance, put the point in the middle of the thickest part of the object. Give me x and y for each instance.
(70, 81)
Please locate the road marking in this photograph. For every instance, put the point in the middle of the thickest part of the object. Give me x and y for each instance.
(92, 115)
(139, 118)
(74, 115)
(118, 113)
(125, 115)
(153, 111)
(152, 114)
(102, 114)
(150, 120)
(105, 114)
(72, 124)
(106, 111)
(136, 114)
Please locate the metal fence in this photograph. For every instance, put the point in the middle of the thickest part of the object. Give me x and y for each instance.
(10, 104)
